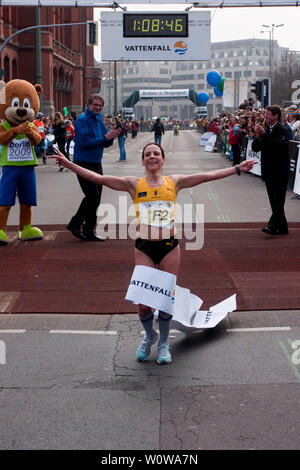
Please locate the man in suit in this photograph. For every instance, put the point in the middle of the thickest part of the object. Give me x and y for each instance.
(273, 142)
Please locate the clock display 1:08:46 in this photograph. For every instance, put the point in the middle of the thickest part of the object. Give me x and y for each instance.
(156, 25)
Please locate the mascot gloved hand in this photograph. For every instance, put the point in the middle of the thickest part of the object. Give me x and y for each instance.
(19, 104)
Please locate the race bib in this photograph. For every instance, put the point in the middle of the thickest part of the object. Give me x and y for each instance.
(157, 213)
(19, 150)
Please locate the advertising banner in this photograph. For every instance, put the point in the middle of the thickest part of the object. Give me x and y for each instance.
(235, 92)
(148, 94)
(204, 138)
(210, 145)
(161, 36)
(296, 188)
(256, 170)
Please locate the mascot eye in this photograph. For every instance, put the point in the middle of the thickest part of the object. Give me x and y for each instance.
(15, 102)
(26, 103)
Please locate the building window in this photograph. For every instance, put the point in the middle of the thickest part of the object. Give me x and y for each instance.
(14, 69)
(6, 69)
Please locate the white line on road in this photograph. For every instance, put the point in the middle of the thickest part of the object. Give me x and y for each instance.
(262, 328)
(12, 331)
(84, 332)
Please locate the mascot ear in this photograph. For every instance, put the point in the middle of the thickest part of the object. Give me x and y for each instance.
(2, 92)
(38, 88)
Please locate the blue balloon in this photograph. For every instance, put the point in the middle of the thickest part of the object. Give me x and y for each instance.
(213, 78)
(203, 97)
(217, 92)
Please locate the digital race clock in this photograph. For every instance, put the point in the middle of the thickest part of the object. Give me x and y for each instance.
(155, 25)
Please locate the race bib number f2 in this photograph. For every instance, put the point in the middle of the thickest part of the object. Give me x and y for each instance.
(157, 213)
(19, 150)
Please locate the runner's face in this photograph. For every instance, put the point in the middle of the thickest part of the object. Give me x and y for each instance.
(153, 159)
(96, 106)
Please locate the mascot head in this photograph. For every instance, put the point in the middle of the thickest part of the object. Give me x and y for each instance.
(19, 101)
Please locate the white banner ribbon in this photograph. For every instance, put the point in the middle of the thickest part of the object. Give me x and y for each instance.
(157, 289)
(152, 287)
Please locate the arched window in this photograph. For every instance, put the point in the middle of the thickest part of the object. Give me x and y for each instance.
(61, 76)
(6, 69)
(14, 69)
(54, 77)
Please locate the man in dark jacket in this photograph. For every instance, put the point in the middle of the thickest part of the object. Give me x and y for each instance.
(159, 130)
(91, 137)
(273, 142)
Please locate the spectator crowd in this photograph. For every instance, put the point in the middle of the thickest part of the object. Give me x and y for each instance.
(234, 129)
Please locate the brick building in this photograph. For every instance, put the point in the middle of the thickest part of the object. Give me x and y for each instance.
(67, 67)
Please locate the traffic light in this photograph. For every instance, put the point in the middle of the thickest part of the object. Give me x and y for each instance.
(92, 33)
(258, 89)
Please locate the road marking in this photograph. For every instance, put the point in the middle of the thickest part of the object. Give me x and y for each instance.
(262, 328)
(223, 218)
(113, 332)
(12, 331)
(84, 332)
(287, 355)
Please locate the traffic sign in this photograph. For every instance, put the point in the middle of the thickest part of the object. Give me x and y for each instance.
(155, 36)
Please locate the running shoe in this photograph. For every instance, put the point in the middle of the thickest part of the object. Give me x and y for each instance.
(144, 349)
(164, 356)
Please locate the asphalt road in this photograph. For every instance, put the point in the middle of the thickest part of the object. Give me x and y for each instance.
(72, 381)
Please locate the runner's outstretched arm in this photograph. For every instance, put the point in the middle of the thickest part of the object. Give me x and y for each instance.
(188, 181)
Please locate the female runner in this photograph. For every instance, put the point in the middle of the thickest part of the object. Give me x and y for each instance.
(156, 245)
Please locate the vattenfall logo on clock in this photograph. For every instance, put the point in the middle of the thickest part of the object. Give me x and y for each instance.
(180, 47)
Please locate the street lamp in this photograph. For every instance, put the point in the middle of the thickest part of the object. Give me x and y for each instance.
(271, 32)
(270, 52)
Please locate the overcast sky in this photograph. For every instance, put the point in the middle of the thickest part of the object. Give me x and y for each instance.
(241, 23)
